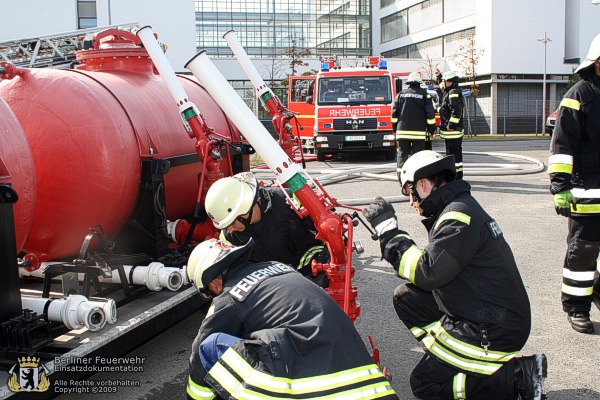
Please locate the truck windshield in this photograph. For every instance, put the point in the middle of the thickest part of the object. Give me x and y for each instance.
(354, 90)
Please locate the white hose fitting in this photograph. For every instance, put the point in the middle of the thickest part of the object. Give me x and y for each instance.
(109, 306)
(156, 276)
(75, 311)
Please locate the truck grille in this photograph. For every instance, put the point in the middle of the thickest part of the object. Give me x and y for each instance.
(351, 124)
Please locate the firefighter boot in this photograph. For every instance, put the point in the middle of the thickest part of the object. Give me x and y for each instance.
(580, 321)
(530, 373)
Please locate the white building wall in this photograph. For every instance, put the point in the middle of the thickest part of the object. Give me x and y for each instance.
(32, 18)
(174, 21)
(507, 31)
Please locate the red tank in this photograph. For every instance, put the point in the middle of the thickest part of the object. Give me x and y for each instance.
(88, 130)
(16, 168)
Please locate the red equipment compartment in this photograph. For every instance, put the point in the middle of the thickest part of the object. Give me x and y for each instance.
(16, 168)
(88, 131)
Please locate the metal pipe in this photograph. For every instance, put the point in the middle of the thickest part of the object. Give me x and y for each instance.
(75, 311)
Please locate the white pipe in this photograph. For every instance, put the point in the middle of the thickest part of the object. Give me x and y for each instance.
(155, 276)
(166, 72)
(75, 311)
(243, 118)
(246, 63)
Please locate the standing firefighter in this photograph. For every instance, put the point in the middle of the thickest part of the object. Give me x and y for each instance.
(451, 114)
(413, 119)
(465, 300)
(574, 168)
(242, 209)
(270, 333)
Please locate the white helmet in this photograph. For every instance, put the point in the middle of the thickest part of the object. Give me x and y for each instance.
(425, 164)
(414, 77)
(450, 76)
(211, 258)
(592, 55)
(230, 197)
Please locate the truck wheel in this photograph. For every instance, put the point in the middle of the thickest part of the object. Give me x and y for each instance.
(320, 155)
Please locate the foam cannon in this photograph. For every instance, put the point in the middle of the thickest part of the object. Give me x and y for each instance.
(331, 227)
(208, 143)
(281, 116)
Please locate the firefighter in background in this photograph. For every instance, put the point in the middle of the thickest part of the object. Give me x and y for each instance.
(465, 300)
(413, 119)
(242, 209)
(574, 168)
(451, 114)
(270, 333)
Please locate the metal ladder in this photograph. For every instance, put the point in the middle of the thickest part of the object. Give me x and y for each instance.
(57, 50)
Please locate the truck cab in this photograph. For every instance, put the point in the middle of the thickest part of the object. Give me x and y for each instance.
(352, 108)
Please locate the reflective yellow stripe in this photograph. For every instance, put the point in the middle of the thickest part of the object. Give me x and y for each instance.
(586, 209)
(453, 215)
(308, 255)
(199, 392)
(453, 95)
(305, 116)
(468, 350)
(564, 168)
(418, 331)
(570, 103)
(408, 263)
(576, 291)
(394, 120)
(454, 120)
(431, 121)
(464, 364)
(459, 386)
(411, 135)
(451, 134)
(296, 386)
(222, 237)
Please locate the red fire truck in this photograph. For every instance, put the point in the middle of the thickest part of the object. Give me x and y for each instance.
(348, 108)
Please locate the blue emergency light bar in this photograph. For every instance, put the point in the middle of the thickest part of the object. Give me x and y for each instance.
(382, 64)
(324, 67)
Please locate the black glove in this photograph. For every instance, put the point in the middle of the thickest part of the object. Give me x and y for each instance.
(381, 216)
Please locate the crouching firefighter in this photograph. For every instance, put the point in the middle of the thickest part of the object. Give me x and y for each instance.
(465, 300)
(271, 333)
(242, 209)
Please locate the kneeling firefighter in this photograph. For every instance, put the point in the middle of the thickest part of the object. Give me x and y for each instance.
(271, 333)
(464, 300)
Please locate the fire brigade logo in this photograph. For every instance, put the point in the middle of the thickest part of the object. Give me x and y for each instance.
(29, 376)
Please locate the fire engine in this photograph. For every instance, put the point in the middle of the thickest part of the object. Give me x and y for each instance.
(348, 108)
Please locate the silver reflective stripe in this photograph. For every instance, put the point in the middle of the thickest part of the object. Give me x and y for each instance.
(580, 276)
(459, 386)
(586, 194)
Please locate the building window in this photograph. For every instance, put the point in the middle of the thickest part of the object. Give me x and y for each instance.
(86, 14)
(271, 28)
(394, 26)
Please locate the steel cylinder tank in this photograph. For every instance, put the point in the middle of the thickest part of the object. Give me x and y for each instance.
(16, 168)
(89, 129)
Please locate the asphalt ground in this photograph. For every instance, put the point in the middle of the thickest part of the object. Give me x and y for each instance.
(522, 206)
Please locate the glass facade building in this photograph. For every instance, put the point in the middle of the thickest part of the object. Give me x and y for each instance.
(269, 28)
